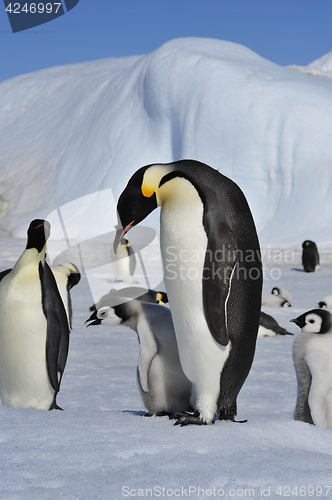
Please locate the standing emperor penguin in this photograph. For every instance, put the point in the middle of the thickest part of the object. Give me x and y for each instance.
(212, 274)
(124, 262)
(310, 256)
(34, 330)
(312, 355)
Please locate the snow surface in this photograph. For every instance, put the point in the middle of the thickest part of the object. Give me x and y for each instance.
(101, 443)
(71, 131)
(319, 67)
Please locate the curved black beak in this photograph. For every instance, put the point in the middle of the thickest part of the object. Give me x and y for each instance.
(120, 232)
(94, 319)
(296, 321)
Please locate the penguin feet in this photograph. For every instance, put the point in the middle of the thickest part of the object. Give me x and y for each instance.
(190, 420)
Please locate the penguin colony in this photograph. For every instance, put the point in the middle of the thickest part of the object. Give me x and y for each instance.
(193, 369)
(35, 311)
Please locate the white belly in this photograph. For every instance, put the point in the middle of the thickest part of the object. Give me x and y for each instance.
(183, 244)
(319, 360)
(24, 381)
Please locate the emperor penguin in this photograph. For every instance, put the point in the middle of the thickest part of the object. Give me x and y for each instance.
(269, 327)
(67, 275)
(34, 329)
(164, 387)
(271, 300)
(326, 302)
(124, 262)
(310, 257)
(281, 292)
(213, 285)
(131, 292)
(312, 355)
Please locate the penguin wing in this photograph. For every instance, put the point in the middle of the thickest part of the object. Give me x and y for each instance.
(4, 273)
(148, 349)
(217, 278)
(57, 333)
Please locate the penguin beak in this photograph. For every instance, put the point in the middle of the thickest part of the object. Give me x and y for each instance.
(120, 234)
(94, 320)
(296, 321)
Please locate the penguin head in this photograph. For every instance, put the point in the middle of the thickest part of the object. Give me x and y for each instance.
(105, 315)
(314, 321)
(161, 298)
(286, 303)
(322, 304)
(140, 197)
(275, 291)
(38, 233)
(308, 243)
(126, 314)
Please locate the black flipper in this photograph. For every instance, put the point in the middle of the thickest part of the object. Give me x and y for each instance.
(4, 273)
(57, 335)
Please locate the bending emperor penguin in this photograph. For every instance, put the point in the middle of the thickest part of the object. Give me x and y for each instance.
(34, 330)
(310, 257)
(164, 387)
(312, 355)
(214, 291)
(66, 275)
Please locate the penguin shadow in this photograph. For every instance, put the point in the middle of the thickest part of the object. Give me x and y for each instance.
(139, 413)
(297, 269)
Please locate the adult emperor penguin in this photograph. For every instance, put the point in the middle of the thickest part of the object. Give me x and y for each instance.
(312, 355)
(212, 274)
(34, 330)
(67, 275)
(124, 262)
(310, 256)
(164, 387)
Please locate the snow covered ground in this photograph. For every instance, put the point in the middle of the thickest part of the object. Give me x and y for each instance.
(101, 445)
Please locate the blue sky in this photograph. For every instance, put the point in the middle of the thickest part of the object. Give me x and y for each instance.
(283, 31)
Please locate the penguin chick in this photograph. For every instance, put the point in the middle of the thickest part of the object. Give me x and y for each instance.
(281, 292)
(268, 327)
(310, 257)
(274, 301)
(312, 356)
(124, 262)
(164, 387)
(326, 302)
(67, 276)
(206, 227)
(115, 297)
(34, 330)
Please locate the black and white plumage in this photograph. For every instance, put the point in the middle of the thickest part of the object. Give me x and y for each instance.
(124, 262)
(326, 302)
(281, 292)
(312, 355)
(214, 292)
(269, 327)
(310, 256)
(34, 329)
(117, 296)
(67, 275)
(271, 300)
(163, 386)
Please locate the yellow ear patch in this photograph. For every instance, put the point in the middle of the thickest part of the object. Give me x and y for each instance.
(147, 190)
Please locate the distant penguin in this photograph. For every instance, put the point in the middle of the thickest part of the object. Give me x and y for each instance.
(124, 262)
(326, 302)
(312, 355)
(163, 386)
(310, 257)
(268, 327)
(34, 330)
(274, 301)
(66, 275)
(115, 297)
(214, 292)
(281, 292)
